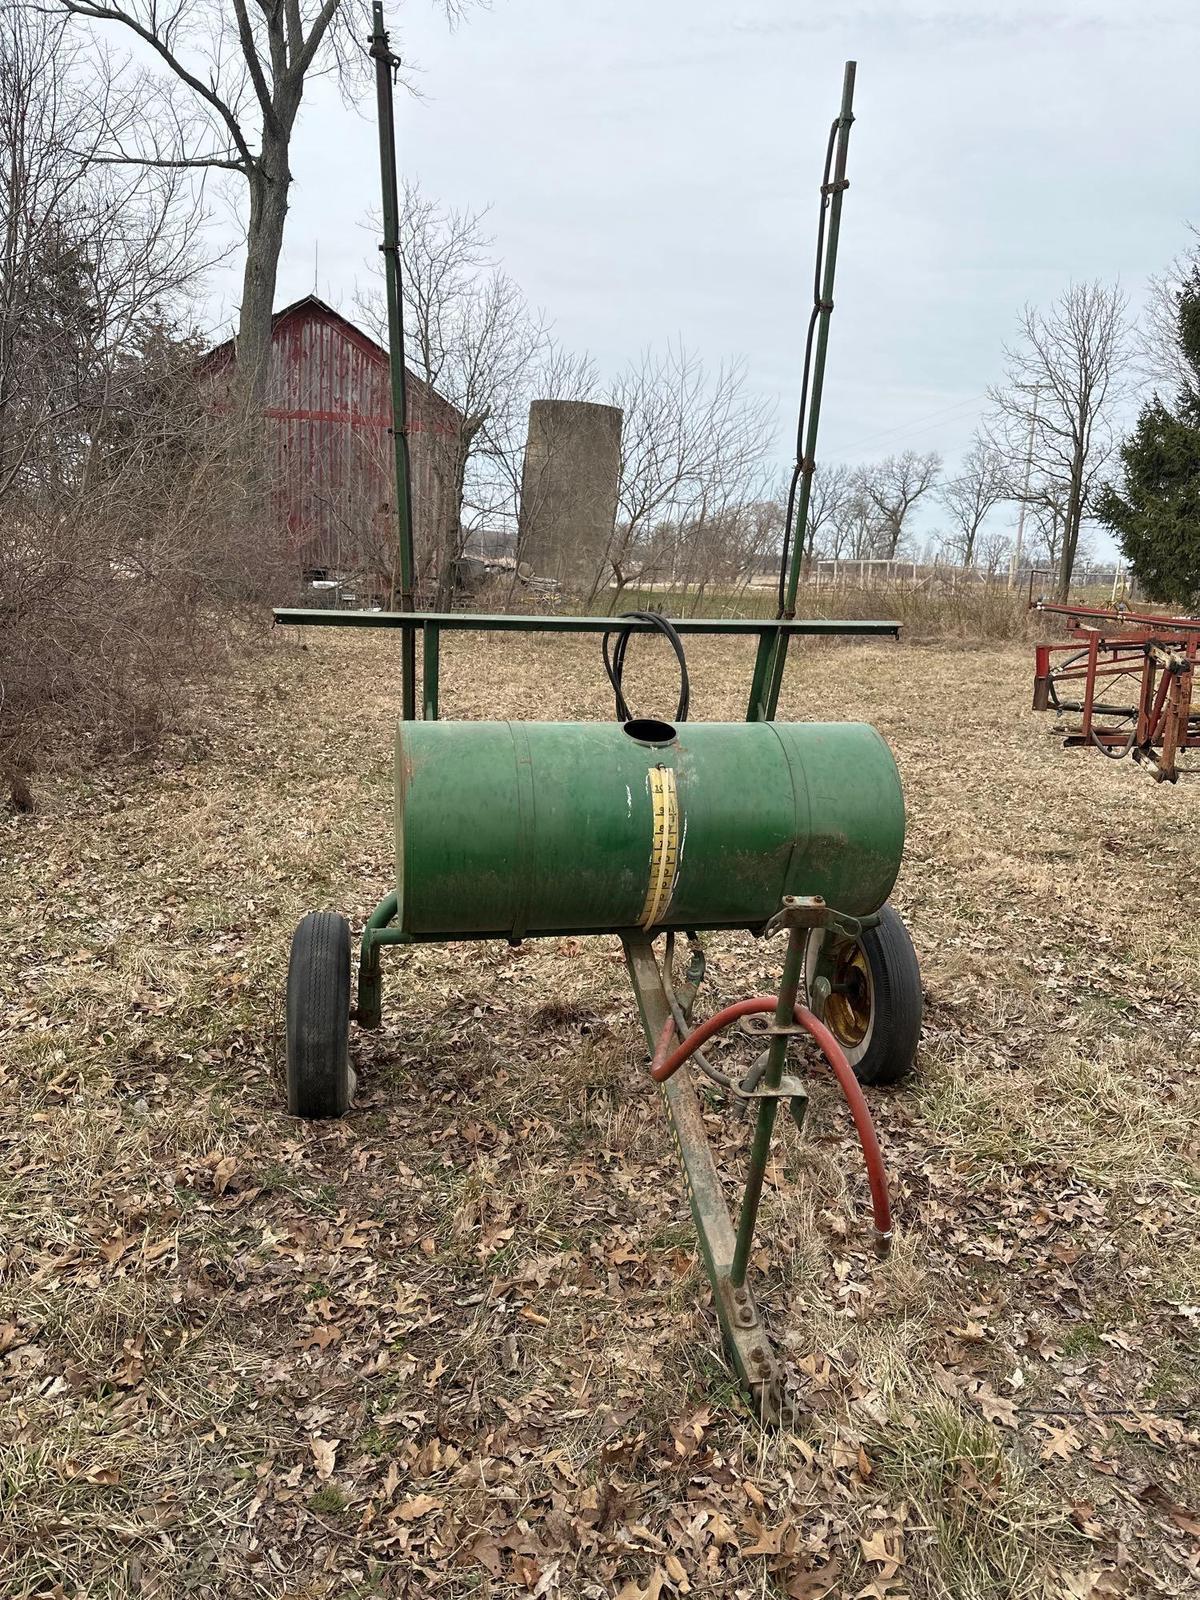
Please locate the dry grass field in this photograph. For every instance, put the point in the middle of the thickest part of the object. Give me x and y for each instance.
(458, 1344)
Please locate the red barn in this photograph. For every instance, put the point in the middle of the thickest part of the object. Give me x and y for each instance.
(329, 402)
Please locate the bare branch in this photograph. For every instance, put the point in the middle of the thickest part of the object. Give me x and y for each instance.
(102, 13)
(982, 482)
(316, 34)
(893, 487)
(254, 65)
(1066, 375)
(178, 163)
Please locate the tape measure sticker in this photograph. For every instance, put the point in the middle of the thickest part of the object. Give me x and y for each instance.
(664, 845)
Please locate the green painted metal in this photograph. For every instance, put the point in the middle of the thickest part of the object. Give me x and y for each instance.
(823, 310)
(385, 64)
(813, 417)
(785, 1012)
(768, 642)
(503, 622)
(514, 829)
(431, 639)
(745, 1337)
(774, 676)
(377, 931)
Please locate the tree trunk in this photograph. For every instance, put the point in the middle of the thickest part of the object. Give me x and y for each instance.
(446, 558)
(810, 551)
(614, 599)
(269, 185)
(1070, 542)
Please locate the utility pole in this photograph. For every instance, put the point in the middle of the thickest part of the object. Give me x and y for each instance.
(1015, 564)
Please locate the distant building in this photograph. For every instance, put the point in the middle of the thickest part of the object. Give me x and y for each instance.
(569, 487)
(329, 402)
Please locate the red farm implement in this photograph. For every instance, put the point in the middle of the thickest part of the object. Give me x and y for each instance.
(1128, 676)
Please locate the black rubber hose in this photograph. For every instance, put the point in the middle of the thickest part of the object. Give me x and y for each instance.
(683, 1024)
(614, 664)
(1112, 751)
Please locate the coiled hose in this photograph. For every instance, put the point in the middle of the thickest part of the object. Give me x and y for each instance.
(614, 665)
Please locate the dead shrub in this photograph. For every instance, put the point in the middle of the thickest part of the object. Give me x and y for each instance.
(133, 519)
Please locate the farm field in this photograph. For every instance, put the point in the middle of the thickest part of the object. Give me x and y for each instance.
(458, 1344)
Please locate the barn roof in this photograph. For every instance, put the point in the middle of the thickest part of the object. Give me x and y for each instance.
(313, 305)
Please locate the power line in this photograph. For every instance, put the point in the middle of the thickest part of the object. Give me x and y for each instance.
(916, 422)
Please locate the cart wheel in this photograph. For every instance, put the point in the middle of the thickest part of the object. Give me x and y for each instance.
(874, 1011)
(319, 1080)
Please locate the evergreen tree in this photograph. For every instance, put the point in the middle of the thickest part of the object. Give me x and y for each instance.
(1155, 511)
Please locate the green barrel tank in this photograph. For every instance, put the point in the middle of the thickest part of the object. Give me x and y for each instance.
(524, 828)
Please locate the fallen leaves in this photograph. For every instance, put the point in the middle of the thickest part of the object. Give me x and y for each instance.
(464, 1334)
(222, 1172)
(995, 1407)
(419, 1506)
(885, 1548)
(1155, 1495)
(320, 1338)
(324, 1454)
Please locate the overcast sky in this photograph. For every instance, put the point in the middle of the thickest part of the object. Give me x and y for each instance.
(652, 165)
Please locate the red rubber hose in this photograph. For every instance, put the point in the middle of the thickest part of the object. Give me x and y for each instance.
(661, 1069)
(863, 1123)
(667, 1061)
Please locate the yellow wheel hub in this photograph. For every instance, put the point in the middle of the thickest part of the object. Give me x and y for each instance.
(848, 1008)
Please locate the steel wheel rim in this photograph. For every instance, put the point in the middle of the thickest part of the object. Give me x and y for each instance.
(848, 1011)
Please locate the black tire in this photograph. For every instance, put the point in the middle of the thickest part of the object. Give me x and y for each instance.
(880, 1039)
(319, 1080)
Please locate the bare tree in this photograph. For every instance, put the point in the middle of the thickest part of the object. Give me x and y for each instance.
(472, 336)
(1048, 509)
(87, 253)
(1065, 377)
(832, 486)
(1159, 356)
(980, 484)
(224, 95)
(691, 446)
(756, 540)
(852, 529)
(120, 522)
(992, 552)
(893, 487)
(722, 545)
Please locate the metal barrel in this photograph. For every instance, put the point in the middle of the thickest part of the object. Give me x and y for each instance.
(515, 829)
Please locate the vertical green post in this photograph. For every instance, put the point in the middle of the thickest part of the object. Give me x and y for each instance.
(431, 638)
(831, 193)
(837, 188)
(385, 61)
(785, 1017)
(764, 659)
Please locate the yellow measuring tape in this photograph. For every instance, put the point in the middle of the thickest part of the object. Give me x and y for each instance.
(664, 847)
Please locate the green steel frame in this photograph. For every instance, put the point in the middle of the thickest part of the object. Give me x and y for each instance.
(769, 662)
(726, 1251)
(724, 1248)
(760, 1371)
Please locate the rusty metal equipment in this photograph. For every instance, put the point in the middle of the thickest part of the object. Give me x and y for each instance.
(1128, 676)
(654, 832)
